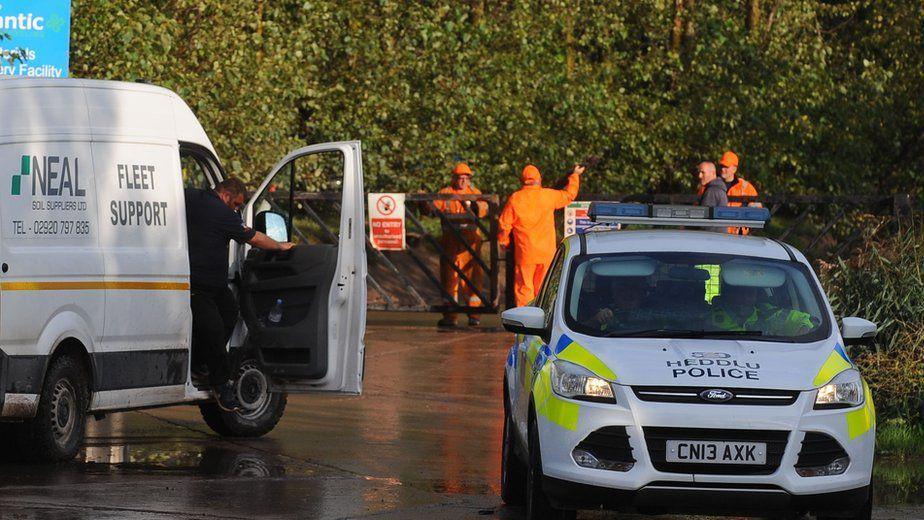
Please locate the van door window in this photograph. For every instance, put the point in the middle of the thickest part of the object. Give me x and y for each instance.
(199, 166)
(306, 192)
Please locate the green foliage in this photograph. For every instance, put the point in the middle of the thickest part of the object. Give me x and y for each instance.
(817, 98)
(883, 282)
(897, 438)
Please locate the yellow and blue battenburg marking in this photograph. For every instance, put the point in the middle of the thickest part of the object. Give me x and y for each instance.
(557, 410)
(568, 350)
(863, 419)
(836, 363)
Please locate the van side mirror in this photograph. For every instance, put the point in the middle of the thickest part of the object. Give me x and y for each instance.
(524, 320)
(272, 225)
(857, 331)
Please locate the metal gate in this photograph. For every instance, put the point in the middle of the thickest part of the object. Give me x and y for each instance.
(409, 280)
(821, 226)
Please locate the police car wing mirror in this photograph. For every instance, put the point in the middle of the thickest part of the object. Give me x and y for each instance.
(272, 224)
(524, 320)
(857, 331)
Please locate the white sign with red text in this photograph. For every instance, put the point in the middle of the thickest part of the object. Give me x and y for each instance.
(387, 231)
(576, 218)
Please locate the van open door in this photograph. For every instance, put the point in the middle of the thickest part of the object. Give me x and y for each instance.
(305, 309)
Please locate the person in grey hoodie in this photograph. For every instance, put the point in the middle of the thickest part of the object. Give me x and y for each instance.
(714, 189)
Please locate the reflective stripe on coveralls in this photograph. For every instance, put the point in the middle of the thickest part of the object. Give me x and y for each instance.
(456, 251)
(530, 215)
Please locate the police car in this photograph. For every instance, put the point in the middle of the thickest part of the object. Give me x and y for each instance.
(684, 371)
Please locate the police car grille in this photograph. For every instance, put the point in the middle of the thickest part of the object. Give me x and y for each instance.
(819, 449)
(610, 443)
(691, 395)
(656, 439)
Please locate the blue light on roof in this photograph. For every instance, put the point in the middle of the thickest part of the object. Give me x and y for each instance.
(617, 209)
(677, 215)
(742, 213)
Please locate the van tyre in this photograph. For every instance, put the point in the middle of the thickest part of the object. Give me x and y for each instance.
(264, 411)
(59, 426)
(513, 471)
(538, 506)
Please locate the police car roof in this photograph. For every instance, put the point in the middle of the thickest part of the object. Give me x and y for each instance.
(632, 241)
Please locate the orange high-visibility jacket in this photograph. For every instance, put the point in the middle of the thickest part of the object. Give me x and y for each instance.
(742, 188)
(456, 206)
(530, 214)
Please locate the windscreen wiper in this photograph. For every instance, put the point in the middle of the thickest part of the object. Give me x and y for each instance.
(681, 333)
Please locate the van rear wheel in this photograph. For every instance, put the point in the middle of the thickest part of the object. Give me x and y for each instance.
(263, 409)
(59, 425)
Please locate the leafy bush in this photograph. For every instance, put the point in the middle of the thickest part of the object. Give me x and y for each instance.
(884, 282)
(807, 92)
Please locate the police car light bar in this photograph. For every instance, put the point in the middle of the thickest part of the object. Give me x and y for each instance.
(674, 215)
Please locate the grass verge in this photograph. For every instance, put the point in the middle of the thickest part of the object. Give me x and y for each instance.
(896, 438)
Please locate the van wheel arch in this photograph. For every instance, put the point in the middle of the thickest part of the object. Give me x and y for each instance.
(74, 348)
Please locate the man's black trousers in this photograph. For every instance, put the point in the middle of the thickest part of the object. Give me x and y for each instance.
(215, 314)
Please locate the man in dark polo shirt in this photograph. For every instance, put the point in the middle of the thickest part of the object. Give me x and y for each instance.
(212, 222)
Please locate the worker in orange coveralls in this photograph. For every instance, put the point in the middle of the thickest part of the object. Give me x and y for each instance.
(530, 215)
(462, 213)
(737, 187)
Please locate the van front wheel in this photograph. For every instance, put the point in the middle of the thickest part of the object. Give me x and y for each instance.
(59, 425)
(263, 408)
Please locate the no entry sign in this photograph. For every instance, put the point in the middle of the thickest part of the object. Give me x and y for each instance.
(386, 221)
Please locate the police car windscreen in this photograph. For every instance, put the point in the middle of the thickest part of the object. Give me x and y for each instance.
(691, 295)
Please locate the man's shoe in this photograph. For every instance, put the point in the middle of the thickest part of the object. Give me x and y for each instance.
(226, 397)
(474, 322)
(446, 323)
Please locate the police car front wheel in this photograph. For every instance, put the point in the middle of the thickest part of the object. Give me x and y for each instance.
(513, 471)
(864, 512)
(538, 506)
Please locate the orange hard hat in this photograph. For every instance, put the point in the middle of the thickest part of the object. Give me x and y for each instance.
(729, 159)
(461, 169)
(531, 173)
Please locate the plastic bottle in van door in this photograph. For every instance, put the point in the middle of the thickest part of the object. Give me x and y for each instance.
(275, 314)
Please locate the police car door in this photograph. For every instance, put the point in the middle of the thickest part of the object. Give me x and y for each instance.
(305, 309)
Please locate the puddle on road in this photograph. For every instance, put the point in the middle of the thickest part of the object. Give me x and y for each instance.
(207, 461)
(898, 481)
(113, 449)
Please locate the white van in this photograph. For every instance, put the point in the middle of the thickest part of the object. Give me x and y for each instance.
(94, 267)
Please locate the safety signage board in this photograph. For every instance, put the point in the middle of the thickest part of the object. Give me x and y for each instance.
(576, 218)
(36, 38)
(386, 221)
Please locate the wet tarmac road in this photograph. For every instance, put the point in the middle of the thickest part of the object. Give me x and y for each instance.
(423, 441)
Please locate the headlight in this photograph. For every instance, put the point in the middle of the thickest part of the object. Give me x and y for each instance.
(846, 391)
(576, 382)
